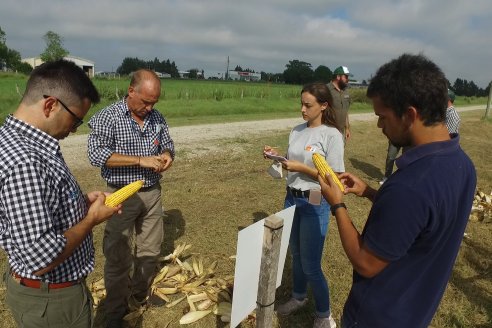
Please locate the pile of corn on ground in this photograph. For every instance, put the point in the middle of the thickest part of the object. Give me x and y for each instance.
(481, 208)
(178, 281)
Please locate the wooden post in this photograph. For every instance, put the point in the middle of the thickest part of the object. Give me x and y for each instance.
(487, 109)
(268, 271)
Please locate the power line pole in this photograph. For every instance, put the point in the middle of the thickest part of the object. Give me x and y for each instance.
(227, 69)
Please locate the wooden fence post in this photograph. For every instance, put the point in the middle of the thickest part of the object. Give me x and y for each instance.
(487, 109)
(268, 271)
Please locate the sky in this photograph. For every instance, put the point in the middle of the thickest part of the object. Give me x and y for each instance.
(262, 35)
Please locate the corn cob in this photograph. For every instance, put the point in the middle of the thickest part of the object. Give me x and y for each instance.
(193, 316)
(323, 168)
(123, 194)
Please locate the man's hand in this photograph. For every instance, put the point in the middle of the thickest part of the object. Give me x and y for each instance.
(98, 212)
(330, 190)
(356, 186)
(166, 161)
(158, 163)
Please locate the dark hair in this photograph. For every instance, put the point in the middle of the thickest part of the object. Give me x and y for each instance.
(62, 79)
(322, 94)
(412, 80)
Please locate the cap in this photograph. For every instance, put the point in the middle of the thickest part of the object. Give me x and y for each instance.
(451, 95)
(342, 70)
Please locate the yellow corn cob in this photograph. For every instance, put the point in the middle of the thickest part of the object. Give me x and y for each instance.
(323, 168)
(122, 194)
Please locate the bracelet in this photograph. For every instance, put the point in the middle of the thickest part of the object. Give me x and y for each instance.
(335, 207)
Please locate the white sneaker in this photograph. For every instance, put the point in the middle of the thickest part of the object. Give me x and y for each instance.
(383, 181)
(290, 306)
(324, 322)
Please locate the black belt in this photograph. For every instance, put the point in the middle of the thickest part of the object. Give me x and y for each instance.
(141, 189)
(299, 193)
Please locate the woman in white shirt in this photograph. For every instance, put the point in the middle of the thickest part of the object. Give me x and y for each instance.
(317, 135)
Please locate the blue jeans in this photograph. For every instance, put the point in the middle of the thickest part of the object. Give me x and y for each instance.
(306, 246)
(390, 159)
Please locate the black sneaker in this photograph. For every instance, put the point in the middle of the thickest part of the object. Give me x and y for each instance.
(114, 323)
(155, 301)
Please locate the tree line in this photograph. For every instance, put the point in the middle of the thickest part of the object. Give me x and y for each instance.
(10, 59)
(132, 64)
(296, 71)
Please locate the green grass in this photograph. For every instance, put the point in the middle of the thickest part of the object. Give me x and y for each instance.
(185, 102)
(188, 102)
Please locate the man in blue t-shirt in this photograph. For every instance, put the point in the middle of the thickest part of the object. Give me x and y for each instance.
(404, 257)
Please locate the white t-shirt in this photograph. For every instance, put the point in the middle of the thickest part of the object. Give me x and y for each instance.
(303, 142)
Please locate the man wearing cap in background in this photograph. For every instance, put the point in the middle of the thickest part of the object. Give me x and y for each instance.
(341, 99)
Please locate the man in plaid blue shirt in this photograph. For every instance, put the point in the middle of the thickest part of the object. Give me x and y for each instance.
(45, 220)
(452, 117)
(130, 141)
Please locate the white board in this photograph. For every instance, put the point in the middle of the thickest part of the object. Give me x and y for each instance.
(248, 262)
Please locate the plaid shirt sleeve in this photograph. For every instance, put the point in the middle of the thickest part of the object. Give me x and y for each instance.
(101, 139)
(26, 199)
(166, 140)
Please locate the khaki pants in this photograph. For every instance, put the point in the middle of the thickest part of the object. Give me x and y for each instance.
(45, 308)
(141, 216)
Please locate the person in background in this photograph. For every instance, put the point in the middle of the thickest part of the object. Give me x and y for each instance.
(391, 155)
(452, 118)
(341, 99)
(318, 134)
(403, 259)
(46, 221)
(452, 123)
(130, 141)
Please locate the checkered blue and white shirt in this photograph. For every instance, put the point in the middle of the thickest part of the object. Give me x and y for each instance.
(452, 120)
(113, 130)
(39, 201)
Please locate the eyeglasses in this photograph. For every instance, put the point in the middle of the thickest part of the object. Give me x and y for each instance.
(78, 121)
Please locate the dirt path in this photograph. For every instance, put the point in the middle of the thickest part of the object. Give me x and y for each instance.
(74, 147)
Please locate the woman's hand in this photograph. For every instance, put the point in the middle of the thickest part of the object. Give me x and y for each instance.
(293, 166)
(269, 150)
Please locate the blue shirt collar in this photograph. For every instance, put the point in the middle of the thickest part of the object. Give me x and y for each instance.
(416, 153)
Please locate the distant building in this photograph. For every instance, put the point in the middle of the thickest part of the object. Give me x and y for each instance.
(357, 84)
(110, 75)
(163, 75)
(186, 74)
(244, 76)
(86, 65)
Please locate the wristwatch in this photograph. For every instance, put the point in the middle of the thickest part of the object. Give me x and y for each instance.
(337, 206)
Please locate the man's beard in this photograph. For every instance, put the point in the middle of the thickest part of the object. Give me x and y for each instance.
(342, 85)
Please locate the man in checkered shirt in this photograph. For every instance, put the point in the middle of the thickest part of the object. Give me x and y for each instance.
(452, 117)
(45, 220)
(130, 141)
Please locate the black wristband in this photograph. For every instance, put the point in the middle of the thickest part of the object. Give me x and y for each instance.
(337, 206)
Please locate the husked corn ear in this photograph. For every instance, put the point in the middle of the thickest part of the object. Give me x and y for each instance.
(323, 168)
(122, 194)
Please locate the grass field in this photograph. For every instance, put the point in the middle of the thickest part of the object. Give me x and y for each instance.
(186, 102)
(208, 199)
